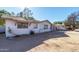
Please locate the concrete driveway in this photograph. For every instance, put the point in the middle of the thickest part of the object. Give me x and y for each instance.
(26, 42)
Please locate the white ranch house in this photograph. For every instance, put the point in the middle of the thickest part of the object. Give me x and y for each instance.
(17, 26)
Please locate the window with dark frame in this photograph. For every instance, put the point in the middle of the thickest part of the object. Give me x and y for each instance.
(22, 25)
(45, 26)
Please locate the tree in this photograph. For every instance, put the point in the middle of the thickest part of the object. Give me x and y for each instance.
(21, 14)
(58, 22)
(26, 13)
(72, 21)
(4, 12)
(12, 14)
(1, 22)
(31, 18)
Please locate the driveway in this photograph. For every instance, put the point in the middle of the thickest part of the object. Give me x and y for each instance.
(27, 42)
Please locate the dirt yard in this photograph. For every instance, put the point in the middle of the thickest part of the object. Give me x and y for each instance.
(65, 41)
(68, 43)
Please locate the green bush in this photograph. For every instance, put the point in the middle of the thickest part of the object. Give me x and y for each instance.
(1, 22)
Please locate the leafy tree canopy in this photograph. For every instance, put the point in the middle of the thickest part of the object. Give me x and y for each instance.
(4, 12)
(58, 22)
(26, 13)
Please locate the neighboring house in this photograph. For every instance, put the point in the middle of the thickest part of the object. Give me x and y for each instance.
(18, 26)
(60, 27)
(54, 28)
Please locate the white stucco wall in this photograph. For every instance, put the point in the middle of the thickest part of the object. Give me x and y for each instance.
(19, 31)
(41, 27)
(9, 24)
(15, 31)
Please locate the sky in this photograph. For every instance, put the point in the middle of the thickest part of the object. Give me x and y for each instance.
(46, 13)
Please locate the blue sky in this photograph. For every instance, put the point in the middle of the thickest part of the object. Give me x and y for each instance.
(47, 13)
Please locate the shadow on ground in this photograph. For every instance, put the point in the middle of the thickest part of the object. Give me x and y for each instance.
(27, 42)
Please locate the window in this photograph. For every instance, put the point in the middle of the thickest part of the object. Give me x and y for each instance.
(35, 26)
(22, 25)
(45, 26)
